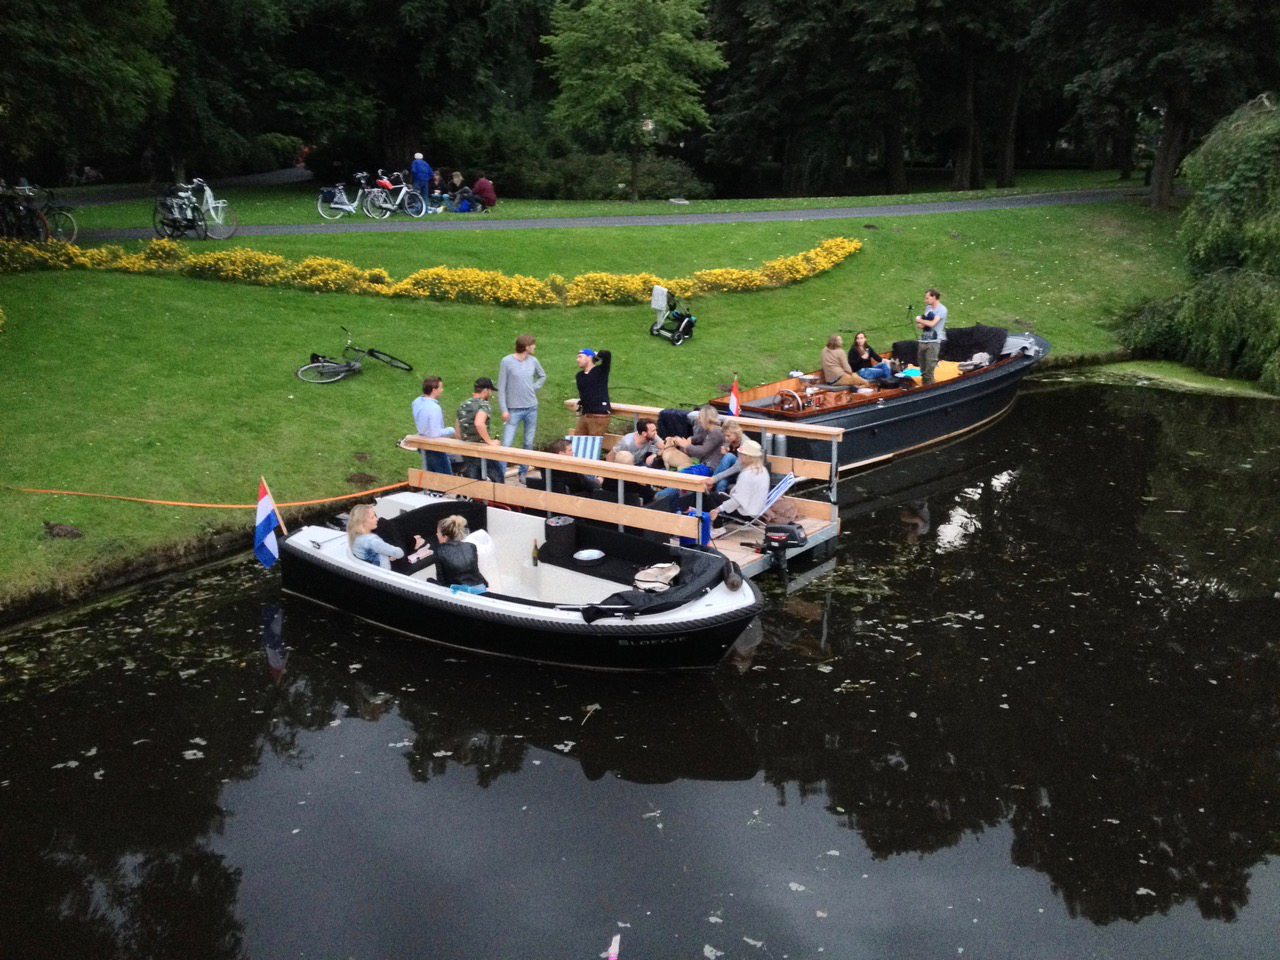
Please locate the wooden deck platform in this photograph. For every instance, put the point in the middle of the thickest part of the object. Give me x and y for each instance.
(820, 519)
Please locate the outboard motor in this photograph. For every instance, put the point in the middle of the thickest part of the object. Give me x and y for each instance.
(781, 537)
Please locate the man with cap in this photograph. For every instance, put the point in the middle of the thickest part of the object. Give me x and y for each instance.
(475, 417)
(594, 407)
(421, 171)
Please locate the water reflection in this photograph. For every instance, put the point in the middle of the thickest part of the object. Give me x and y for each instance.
(1059, 633)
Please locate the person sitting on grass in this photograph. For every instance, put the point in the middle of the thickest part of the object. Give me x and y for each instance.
(367, 545)
(484, 192)
(461, 199)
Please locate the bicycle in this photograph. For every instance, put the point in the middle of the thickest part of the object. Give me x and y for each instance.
(20, 218)
(178, 213)
(222, 221)
(333, 204)
(62, 225)
(324, 369)
(392, 194)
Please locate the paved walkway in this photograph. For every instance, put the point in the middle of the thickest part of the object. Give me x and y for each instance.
(360, 224)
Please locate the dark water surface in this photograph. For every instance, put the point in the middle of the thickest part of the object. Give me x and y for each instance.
(1031, 710)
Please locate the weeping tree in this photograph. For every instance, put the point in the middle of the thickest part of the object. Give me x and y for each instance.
(1228, 323)
(629, 72)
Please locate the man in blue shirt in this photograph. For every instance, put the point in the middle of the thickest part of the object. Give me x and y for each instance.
(933, 334)
(421, 171)
(428, 419)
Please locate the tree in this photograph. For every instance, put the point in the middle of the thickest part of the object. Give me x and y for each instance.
(1188, 60)
(78, 78)
(629, 71)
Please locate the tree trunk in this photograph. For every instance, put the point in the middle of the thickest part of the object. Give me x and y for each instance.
(635, 173)
(1122, 144)
(1009, 131)
(895, 166)
(962, 176)
(1173, 134)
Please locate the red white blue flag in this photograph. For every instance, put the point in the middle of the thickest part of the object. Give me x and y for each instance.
(735, 405)
(264, 533)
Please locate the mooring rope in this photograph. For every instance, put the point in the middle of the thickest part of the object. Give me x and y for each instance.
(210, 506)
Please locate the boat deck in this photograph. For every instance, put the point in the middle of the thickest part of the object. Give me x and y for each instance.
(819, 519)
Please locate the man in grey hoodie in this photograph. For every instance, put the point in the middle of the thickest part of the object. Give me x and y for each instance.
(519, 379)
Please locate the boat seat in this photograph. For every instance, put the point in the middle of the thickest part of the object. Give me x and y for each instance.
(836, 386)
(422, 521)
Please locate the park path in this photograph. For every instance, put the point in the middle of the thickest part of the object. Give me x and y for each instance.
(447, 223)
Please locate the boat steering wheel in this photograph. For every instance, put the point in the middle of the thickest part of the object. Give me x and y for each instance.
(789, 401)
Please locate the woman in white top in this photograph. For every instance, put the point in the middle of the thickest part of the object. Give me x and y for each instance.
(746, 497)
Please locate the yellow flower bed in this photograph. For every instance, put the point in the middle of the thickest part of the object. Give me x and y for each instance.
(459, 284)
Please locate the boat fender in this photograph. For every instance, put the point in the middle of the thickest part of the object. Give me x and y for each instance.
(732, 575)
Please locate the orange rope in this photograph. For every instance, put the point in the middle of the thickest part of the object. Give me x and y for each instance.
(212, 506)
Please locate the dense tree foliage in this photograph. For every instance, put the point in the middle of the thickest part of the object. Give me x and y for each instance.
(1229, 321)
(759, 96)
(628, 71)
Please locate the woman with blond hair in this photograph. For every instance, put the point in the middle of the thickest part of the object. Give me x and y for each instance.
(367, 545)
(707, 443)
(457, 562)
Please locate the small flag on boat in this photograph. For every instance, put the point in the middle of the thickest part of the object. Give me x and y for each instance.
(735, 404)
(264, 534)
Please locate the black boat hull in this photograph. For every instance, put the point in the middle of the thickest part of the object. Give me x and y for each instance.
(611, 645)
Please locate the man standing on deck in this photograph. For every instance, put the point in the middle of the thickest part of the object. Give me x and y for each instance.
(475, 418)
(428, 420)
(520, 377)
(594, 407)
(933, 334)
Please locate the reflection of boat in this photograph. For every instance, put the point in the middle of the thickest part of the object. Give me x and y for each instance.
(554, 611)
(882, 424)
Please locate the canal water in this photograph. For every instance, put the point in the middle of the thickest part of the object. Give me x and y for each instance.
(1030, 708)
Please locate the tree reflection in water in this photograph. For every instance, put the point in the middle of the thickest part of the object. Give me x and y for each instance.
(1075, 646)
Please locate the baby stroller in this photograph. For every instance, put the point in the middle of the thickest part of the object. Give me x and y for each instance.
(673, 322)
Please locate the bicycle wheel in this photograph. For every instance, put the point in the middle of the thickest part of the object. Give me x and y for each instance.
(376, 205)
(63, 226)
(162, 220)
(223, 222)
(33, 227)
(327, 210)
(414, 204)
(388, 359)
(197, 223)
(326, 372)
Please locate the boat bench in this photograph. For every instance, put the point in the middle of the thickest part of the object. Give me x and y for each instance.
(400, 531)
(961, 344)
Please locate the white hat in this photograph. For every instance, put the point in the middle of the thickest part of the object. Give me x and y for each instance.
(750, 448)
(417, 156)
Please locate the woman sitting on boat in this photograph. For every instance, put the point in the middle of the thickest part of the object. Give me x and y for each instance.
(836, 371)
(367, 545)
(457, 562)
(729, 466)
(745, 500)
(708, 438)
(865, 362)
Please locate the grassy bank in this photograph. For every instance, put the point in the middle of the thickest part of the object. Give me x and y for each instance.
(183, 390)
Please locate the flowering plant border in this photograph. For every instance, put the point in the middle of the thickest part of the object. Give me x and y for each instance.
(450, 284)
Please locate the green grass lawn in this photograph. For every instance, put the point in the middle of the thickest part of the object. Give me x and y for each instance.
(177, 389)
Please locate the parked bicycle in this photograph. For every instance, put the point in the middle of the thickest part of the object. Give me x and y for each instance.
(390, 194)
(333, 203)
(324, 369)
(221, 220)
(178, 213)
(20, 216)
(62, 225)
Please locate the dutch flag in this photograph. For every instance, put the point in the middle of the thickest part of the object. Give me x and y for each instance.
(735, 405)
(264, 533)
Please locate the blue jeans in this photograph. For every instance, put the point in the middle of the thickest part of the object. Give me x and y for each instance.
(520, 415)
(877, 371)
(436, 461)
(726, 462)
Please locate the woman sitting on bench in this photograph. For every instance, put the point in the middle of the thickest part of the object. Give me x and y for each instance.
(836, 371)
(865, 362)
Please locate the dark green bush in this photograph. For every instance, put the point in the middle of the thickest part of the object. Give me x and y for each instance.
(591, 176)
(273, 151)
